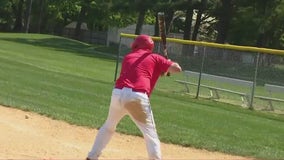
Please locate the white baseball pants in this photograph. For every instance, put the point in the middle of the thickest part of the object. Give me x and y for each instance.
(137, 105)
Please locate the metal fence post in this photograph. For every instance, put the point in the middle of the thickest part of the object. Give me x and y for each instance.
(200, 72)
(254, 81)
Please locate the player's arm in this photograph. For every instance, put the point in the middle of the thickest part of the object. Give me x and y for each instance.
(174, 68)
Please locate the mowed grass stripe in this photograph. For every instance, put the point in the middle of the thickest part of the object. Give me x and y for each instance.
(52, 53)
(219, 126)
(47, 91)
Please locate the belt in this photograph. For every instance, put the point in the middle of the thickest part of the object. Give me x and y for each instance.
(133, 89)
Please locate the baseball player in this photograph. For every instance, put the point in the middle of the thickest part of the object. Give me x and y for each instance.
(141, 68)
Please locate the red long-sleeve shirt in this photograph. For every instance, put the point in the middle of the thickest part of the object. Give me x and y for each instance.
(141, 70)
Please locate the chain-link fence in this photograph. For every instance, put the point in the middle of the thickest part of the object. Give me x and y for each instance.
(247, 76)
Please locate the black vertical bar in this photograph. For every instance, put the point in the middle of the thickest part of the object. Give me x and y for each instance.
(200, 72)
(254, 82)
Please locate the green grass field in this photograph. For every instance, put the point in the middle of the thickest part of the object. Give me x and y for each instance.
(68, 80)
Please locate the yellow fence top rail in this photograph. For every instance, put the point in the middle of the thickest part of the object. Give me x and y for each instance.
(216, 45)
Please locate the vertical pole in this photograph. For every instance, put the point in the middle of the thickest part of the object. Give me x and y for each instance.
(117, 59)
(200, 72)
(254, 81)
(28, 16)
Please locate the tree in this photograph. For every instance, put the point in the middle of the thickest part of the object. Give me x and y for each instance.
(81, 18)
(18, 11)
(188, 21)
(168, 8)
(266, 33)
(258, 23)
(122, 13)
(6, 20)
(224, 15)
(28, 15)
(186, 49)
(201, 8)
(99, 15)
(41, 14)
(141, 15)
(142, 6)
(241, 22)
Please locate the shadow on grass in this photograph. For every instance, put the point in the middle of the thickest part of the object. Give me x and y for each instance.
(66, 45)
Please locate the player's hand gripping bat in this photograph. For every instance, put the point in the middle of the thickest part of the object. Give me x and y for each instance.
(162, 29)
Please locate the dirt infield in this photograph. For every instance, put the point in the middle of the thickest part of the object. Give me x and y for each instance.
(26, 135)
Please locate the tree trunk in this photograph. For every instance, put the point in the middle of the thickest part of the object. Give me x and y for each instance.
(198, 19)
(225, 17)
(40, 16)
(188, 22)
(28, 16)
(169, 20)
(140, 21)
(156, 32)
(262, 37)
(223, 25)
(80, 20)
(198, 23)
(186, 49)
(19, 15)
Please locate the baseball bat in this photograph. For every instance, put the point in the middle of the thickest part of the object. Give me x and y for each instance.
(162, 30)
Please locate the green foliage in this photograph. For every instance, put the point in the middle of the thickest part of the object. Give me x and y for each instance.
(150, 18)
(122, 20)
(282, 40)
(5, 11)
(255, 18)
(251, 21)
